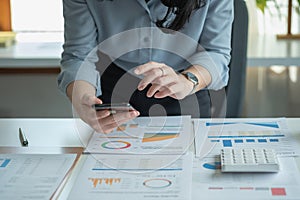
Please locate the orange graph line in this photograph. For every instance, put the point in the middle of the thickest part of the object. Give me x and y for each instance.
(159, 138)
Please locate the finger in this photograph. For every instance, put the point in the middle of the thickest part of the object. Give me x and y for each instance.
(153, 89)
(92, 117)
(167, 91)
(147, 67)
(151, 76)
(119, 117)
(90, 100)
(115, 124)
(165, 80)
(102, 114)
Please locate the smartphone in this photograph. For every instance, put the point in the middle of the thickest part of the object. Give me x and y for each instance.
(116, 107)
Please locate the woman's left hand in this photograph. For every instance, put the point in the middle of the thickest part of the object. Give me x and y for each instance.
(165, 81)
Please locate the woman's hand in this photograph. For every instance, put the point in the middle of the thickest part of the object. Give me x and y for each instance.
(83, 98)
(165, 81)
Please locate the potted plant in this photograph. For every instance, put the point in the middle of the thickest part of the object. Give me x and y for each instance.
(262, 4)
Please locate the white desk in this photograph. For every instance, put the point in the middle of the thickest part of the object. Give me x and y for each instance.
(69, 133)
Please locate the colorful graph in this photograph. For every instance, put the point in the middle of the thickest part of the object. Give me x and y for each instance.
(154, 137)
(232, 142)
(264, 124)
(4, 162)
(242, 134)
(104, 181)
(118, 144)
(157, 183)
(212, 166)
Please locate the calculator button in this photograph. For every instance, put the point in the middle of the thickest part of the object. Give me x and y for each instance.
(249, 160)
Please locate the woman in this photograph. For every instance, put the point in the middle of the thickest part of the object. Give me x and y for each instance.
(164, 72)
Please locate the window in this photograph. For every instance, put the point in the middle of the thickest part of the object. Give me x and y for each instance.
(38, 20)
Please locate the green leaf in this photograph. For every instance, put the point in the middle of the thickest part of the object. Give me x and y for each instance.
(261, 4)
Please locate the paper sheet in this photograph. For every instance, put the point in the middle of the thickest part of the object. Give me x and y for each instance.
(213, 135)
(146, 135)
(32, 176)
(162, 177)
(210, 183)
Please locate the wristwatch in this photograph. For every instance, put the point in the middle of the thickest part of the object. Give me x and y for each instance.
(191, 77)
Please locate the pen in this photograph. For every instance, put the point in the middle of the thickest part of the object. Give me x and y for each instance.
(23, 139)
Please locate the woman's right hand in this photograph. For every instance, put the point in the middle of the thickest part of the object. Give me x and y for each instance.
(82, 96)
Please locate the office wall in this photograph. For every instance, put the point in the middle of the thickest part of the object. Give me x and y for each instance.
(32, 95)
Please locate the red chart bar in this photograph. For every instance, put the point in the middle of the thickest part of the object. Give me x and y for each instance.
(278, 192)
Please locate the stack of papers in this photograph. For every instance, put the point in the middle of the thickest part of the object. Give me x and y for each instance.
(213, 135)
(33, 176)
(143, 159)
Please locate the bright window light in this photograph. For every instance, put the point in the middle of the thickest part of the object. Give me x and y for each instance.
(37, 15)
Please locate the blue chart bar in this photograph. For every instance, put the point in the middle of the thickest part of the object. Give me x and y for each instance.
(244, 136)
(215, 141)
(4, 163)
(110, 169)
(250, 140)
(262, 140)
(264, 124)
(238, 141)
(274, 140)
(212, 166)
(227, 143)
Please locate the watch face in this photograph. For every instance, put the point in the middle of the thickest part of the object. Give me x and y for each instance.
(192, 77)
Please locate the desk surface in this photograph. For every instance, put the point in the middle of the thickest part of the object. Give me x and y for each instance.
(263, 50)
(69, 133)
(65, 132)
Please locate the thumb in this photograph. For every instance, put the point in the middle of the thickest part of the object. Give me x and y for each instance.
(90, 100)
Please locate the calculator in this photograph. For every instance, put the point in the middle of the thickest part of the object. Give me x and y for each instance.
(249, 160)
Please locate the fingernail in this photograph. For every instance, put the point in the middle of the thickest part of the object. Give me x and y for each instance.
(136, 71)
(149, 95)
(134, 113)
(141, 87)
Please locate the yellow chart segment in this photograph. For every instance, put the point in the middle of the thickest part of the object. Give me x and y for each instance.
(159, 137)
(102, 181)
(123, 127)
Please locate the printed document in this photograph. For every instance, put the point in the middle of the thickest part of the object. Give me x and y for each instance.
(213, 135)
(32, 176)
(115, 177)
(146, 135)
(211, 184)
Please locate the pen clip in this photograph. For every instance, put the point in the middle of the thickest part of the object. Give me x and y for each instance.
(23, 139)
